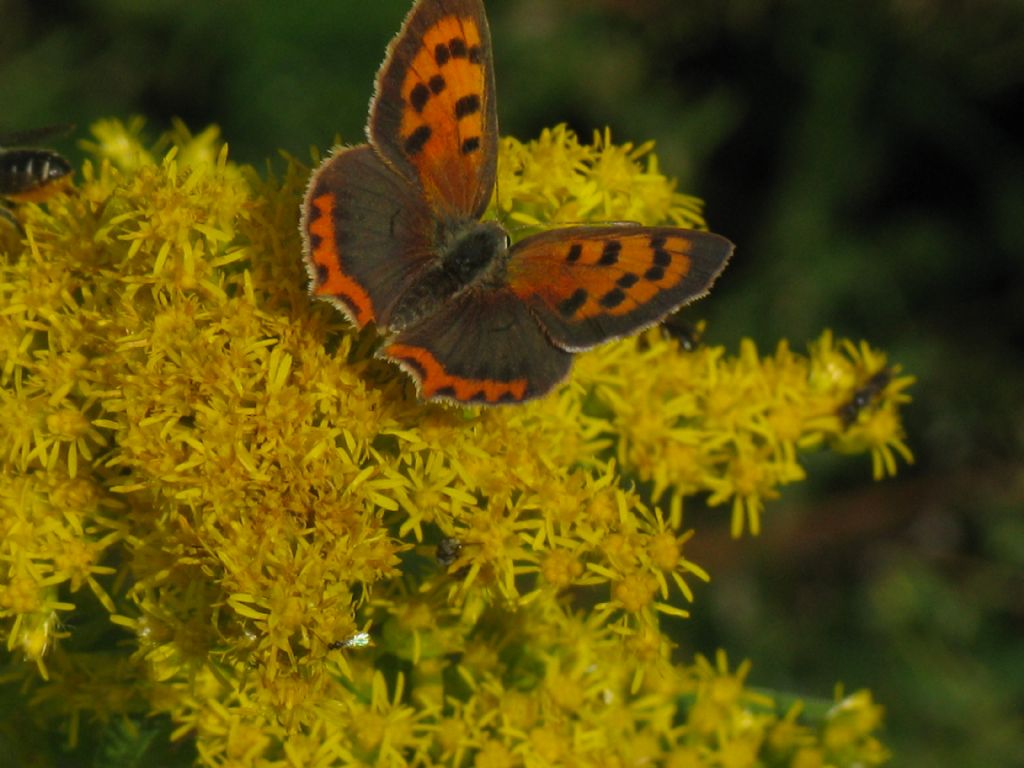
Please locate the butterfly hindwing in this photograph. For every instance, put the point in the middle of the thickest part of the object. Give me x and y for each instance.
(433, 116)
(483, 346)
(367, 233)
(587, 285)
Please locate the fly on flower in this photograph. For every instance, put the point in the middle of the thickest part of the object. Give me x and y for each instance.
(358, 640)
(686, 333)
(448, 550)
(863, 395)
(29, 173)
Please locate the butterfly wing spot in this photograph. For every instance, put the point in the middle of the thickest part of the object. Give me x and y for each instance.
(418, 139)
(575, 251)
(613, 298)
(418, 97)
(421, 93)
(610, 254)
(470, 145)
(467, 105)
(628, 280)
(456, 48)
(654, 274)
(570, 306)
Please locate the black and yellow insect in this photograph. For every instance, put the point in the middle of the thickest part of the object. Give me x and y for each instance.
(29, 173)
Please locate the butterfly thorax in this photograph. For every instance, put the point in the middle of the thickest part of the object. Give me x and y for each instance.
(471, 254)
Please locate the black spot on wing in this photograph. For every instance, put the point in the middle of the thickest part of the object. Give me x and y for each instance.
(417, 139)
(471, 144)
(575, 251)
(654, 274)
(610, 254)
(467, 105)
(570, 306)
(628, 280)
(613, 298)
(441, 54)
(458, 49)
(419, 96)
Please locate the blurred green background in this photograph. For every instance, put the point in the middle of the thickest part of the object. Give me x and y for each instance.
(868, 160)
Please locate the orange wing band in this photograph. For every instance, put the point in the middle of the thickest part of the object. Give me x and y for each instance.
(435, 381)
(328, 262)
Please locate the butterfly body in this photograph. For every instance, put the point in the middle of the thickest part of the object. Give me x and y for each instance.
(471, 256)
(393, 235)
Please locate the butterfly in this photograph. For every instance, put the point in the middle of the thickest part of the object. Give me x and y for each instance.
(392, 235)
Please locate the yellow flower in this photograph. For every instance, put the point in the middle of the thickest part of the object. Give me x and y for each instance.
(255, 501)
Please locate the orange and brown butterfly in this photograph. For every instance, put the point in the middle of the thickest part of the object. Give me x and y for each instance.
(393, 236)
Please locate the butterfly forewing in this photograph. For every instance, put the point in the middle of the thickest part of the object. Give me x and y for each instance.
(434, 114)
(587, 285)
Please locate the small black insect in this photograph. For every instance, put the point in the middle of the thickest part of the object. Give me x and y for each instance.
(448, 550)
(863, 395)
(358, 640)
(686, 333)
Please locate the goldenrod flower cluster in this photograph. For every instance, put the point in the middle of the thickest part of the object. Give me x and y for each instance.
(218, 508)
